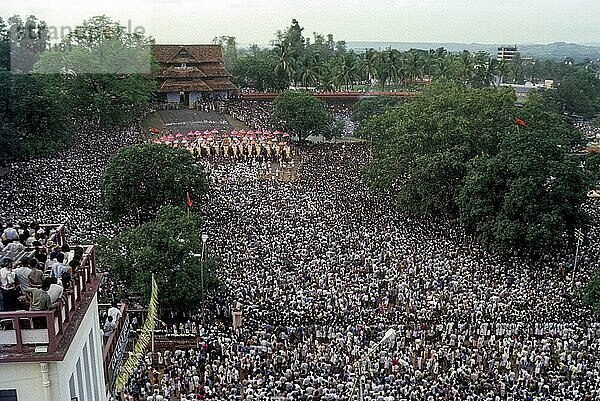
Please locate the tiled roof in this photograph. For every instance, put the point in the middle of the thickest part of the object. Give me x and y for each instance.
(200, 53)
(220, 84)
(173, 72)
(214, 70)
(196, 85)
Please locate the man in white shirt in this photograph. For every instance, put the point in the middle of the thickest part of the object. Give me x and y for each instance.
(114, 312)
(8, 284)
(55, 291)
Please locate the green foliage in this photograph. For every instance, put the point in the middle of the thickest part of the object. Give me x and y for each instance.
(455, 152)
(140, 179)
(592, 292)
(592, 167)
(164, 247)
(230, 53)
(421, 148)
(258, 72)
(302, 114)
(526, 196)
(28, 39)
(579, 93)
(368, 107)
(106, 72)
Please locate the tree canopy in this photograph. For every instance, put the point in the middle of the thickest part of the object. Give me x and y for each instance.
(301, 114)
(139, 179)
(579, 93)
(164, 247)
(104, 72)
(457, 152)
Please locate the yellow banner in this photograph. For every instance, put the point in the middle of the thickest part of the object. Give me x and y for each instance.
(142, 343)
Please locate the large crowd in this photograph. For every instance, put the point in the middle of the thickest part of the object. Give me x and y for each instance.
(324, 267)
(321, 269)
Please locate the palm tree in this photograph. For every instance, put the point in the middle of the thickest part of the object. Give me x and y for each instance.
(382, 70)
(412, 65)
(307, 70)
(395, 65)
(503, 70)
(346, 70)
(368, 65)
(285, 61)
(327, 76)
(464, 67)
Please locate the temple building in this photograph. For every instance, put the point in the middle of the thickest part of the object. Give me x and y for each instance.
(188, 73)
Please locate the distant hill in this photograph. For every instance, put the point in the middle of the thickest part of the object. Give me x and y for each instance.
(552, 51)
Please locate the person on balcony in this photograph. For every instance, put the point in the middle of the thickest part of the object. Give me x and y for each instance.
(39, 301)
(8, 285)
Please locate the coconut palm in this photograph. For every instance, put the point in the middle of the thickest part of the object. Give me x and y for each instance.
(368, 65)
(285, 61)
(307, 71)
(346, 70)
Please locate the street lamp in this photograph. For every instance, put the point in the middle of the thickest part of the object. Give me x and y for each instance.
(204, 238)
(386, 337)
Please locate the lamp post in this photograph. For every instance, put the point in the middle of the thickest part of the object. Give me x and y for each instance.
(386, 337)
(204, 239)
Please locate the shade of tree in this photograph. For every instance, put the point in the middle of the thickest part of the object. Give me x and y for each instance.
(139, 179)
(455, 152)
(301, 114)
(230, 52)
(29, 39)
(34, 117)
(164, 247)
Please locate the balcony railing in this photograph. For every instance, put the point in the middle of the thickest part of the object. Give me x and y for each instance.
(17, 329)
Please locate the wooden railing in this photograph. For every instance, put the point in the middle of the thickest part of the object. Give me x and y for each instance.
(18, 328)
(113, 343)
(58, 235)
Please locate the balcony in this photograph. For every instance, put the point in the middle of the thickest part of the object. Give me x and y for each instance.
(20, 341)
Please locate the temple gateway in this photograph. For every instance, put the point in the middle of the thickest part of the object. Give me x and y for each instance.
(188, 73)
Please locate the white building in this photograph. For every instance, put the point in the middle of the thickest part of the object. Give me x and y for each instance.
(64, 361)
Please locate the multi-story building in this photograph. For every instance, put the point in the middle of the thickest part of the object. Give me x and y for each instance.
(506, 53)
(62, 359)
(188, 73)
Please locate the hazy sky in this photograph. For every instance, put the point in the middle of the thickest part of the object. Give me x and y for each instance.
(255, 21)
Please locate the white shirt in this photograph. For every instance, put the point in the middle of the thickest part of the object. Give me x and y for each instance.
(55, 291)
(7, 278)
(115, 313)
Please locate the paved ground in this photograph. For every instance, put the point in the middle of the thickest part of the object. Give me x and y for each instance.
(185, 120)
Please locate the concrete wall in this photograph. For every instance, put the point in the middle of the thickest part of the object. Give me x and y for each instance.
(80, 374)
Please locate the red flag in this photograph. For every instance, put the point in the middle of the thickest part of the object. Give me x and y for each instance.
(189, 201)
(519, 121)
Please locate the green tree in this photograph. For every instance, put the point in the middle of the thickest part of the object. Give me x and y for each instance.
(29, 39)
(369, 107)
(140, 179)
(579, 93)
(592, 167)
(421, 148)
(230, 52)
(109, 72)
(301, 114)
(164, 247)
(592, 292)
(526, 196)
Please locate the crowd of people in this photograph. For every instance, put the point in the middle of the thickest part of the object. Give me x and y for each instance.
(321, 267)
(324, 267)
